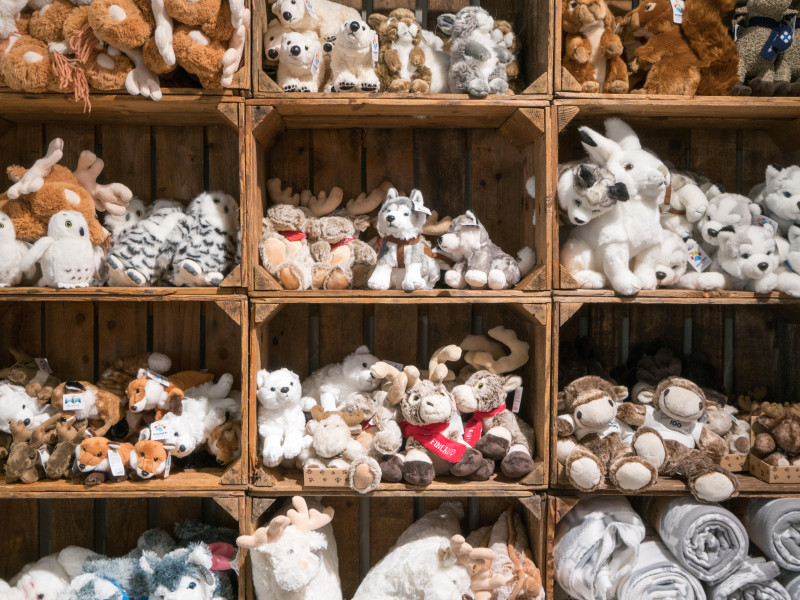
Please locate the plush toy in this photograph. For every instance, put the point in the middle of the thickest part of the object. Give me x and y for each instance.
(587, 190)
(506, 40)
(92, 459)
(748, 259)
(24, 463)
(34, 74)
(284, 246)
(478, 262)
(148, 458)
(330, 386)
(66, 254)
(59, 462)
(9, 13)
(341, 260)
(477, 63)
(224, 442)
(406, 260)
(87, 401)
(295, 554)
(17, 405)
(281, 423)
(301, 66)
(322, 17)
(353, 59)
(603, 249)
(592, 49)
(778, 442)
(185, 569)
(12, 251)
(152, 391)
(116, 377)
(684, 205)
(273, 38)
(725, 212)
(437, 59)
(401, 64)
(779, 196)
(49, 576)
(199, 55)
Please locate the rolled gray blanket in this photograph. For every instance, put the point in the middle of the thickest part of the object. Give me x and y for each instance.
(755, 578)
(596, 546)
(706, 539)
(791, 581)
(658, 576)
(774, 526)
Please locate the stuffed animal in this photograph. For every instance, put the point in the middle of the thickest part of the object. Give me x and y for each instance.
(477, 63)
(603, 249)
(295, 554)
(341, 260)
(670, 262)
(9, 13)
(116, 377)
(478, 262)
(151, 391)
(592, 49)
(587, 190)
(505, 39)
(281, 423)
(353, 59)
(59, 462)
(117, 225)
(322, 17)
(684, 205)
(24, 463)
(92, 458)
(17, 405)
(779, 196)
(86, 401)
(401, 64)
(437, 59)
(224, 442)
(301, 67)
(330, 386)
(778, 442)
(149, 458)
(12, 251)
(66, 254)
(406, 260)
(284, 246)
(49, 576)
(725, 212)
(185, 569)
(748, 259)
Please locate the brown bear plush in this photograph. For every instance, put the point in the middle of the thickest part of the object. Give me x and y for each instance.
(342, 260)
(778, 445)
(399, 35)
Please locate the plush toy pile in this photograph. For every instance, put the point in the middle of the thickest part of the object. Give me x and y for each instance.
(641, 226)
(377, 420)
(310, 242)
(134, 422)
(83, 45)
(50, 235)
(199, 562)
(677, 548)
(683, 48)
(323, 46)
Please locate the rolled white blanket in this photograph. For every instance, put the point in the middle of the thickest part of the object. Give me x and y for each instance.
(774, 526)
(658, 576)
(756, 578)
(706, 539)
(596, 547)
(791, 581)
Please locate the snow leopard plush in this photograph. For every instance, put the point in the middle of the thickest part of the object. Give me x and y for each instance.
(205, 241)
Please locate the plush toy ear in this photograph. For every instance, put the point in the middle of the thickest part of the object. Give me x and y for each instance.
(620, 132)
(147, 560)
(141, 373)
(599, 148)
(472, 218)
(261, 378)
(561, 404)
(794, 234)
(772, 173)
(585, 177)
(621, 392)
(144, 434)
(113, 445)
(362, 350)
(646, 396)
(375, 20)
(511, 383)
(391, 194)
(168, 447)
(445, 23)
(200, 555)
(418, 202)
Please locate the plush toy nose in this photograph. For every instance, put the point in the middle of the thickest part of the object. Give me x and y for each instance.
(390, 218)
(287, 15)
(26, 422)
(798, 205)
(327, 47)
(579, 221)
(82, 232)
(182, 448)
(220, 462)
(660, 275)
(145, 472)
(81, 467)
(354, 26)
(295, 50)
(284, 390)
(273, 54)
(763, 266)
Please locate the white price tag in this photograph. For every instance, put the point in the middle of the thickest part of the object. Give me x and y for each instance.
(116, 464)
(517, 400)
(159, 431)
(168, 466)
(375, 48)
(677, 10)
(761, 220)
(310, 9)
(43, 365)
(44, 455)
(73, 402)
(699, 260)
(315, 65)
(159, 378)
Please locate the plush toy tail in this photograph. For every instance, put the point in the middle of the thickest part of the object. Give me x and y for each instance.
(709, 39)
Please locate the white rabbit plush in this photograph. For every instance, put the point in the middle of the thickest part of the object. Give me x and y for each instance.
(602, 250)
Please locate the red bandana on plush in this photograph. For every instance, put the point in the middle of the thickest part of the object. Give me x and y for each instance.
(342, 243)
(293, 236)
(222, 556)
(431, 437)
(474, 427)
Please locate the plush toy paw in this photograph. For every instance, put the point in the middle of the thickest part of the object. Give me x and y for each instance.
(272, 456)
(626, 283)
(290, 87)
(591, 280)
(616, 87)
(476, 279)
(418, 472)
(391, 468)
(345, 86)
(455, 280)
(585, 472)
(483, 472)
(214, 278)
(136, 277)
(492, 446)
(517, 464)
(292, 448)
(304, 89)
(94, 479)
(413, 282)
(470, 462)
(498, 86)
(633, 474)
(289, 278)
(419, 86)
(649, 445)
(364, 475)
(369, 87)
(710, 281)
(497, 280)
(590, 87)
(478, 88)
(714, 487)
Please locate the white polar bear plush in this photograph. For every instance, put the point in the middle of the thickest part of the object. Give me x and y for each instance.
(332, 385)
(16, 405)
(725, 212)
(301, 67)
(779, 196)
(438, 61)
(281, 422)
(352, 64)
(684, 205)
(272, 46)
(603, 249)
(322, 17)
(748, 258)
(672, 262)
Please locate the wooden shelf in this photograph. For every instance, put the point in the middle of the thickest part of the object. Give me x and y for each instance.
(442, 296)
(675, 297)
(186, 294)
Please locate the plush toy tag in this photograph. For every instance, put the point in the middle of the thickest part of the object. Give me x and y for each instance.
(762, 220)
(310, 9)
(517, 400)
(735, 32)
(168, 466)
(115, 463)
(315, 65)
(43, 365)
(375, 51)
(44, 455)
(73, 402)
(420, 207)
(677, 10)
(159, 431)
(699, 260)
(158, 378)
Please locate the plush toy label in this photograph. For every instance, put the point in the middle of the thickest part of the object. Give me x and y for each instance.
(158, 378)
(375, 51)
(315, 65)
(762, 220)
(168, 466)
(517, 400)
(73, 402)
(44, 456)
(43, 365)
(115, 464)
(310, 9)
(159, 431)
(677, 10)
(699, 260)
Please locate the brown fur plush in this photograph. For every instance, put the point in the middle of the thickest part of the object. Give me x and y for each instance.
(199, 55)
(389, 62)
(109, 407)
(106, 72)
(191, 13)
(153, 59)
(582, 21)
(48, 24)
(21, 72)
(129, 33)
(340, 257)
(289, 260)
(715, 49)
(782, 437)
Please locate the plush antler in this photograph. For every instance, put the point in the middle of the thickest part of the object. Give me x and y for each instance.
(280, 195)
(260, 536)
(351, 418)
(413, 375)
(306, 520)
(19, 433)
(366, 203)
(437, 369)
(517, 357)
(325, 203)
(433, 226)
(395, 382)
(112, 198)
(33, 179)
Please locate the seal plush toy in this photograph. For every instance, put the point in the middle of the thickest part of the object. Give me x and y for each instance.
(401, 66)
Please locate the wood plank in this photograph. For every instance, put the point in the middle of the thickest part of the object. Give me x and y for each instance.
(222, 168)
(337, 160)
(126, 154)
(121, 330)
(223, 345)
(446, 325)
(175, 510)
(77, 138)
(396, 334)
(341, 331)
(286, 341)
(179, 162)
(20, 327)
(69, 339)
(72, 524)
(177, 333)
(713, 153)
(390, 517)
(390, 157)
(758, 151)
(753, 328)
(19, 522)
(345, 529)
(442, 169)
(126, 520)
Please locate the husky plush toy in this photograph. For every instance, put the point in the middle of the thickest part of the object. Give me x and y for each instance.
(405, 259)
(779, 196)
(749, 259)
(725, 213)
(587, 190)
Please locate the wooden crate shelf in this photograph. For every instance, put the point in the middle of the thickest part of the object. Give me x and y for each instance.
(531, 20)
(675, 297)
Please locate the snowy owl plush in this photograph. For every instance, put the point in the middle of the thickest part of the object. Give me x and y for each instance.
(66, 253)
(12, 251)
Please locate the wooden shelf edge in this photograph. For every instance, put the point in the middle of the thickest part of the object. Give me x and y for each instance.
(675, 297)
(123, 294)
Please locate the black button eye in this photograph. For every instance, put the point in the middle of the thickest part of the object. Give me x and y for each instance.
(272, 389)
(580, 415)
(362, 364)
(610, 403)
(787, 194)
(745, 255)
(99, 454)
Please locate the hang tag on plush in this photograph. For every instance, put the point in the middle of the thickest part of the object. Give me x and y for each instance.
(315, 65)
(158, 378)
(310, 9)
(762, 220)
(43, 365)
(44, 455)
(517, 400)
(735, 31)
(159, 431)
(375, 49)
(699, 260)
(73, 402)
(677, 10)
(168, 466)
(115, 464)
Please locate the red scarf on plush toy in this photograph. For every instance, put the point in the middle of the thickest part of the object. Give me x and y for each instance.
(474, 427)
(431, 437)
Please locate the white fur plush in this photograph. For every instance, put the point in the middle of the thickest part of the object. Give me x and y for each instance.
(325, 21)
(672, 266)
(281, 422)
(725, 212)
(66, 254)
(352, 67)
(16, 405)
(301, 67)
(9, 13)
(602, 250)
(687, 205)
(779, 196)
(331, 385)
(587, 190)
(12, 252)
(789, 268)
(48, 577)
(438, 61)
(272, 45)
(749, 259)
(118, 224)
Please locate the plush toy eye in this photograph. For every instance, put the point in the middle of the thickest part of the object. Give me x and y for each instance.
(192, 585)
(40, 596)
(176, 434)
(290, 551)
(579, 415)
(629, 166)
(23, 407)
(138, 213)
(787, 194)
(577, 202)
(674, 267)
(573, 4)
(708, 218)
(650, 6)
(99, 454)
(745, 255)
(68, 223)
(480, 386)
(363, 28)
(405, 214)
(271, 389)
(226, 210)
(610, 403)
(1, 225)
(216, 200)
(364, 365)
(142, 454)
(155, 459)
(595, 211)
(769, 252)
